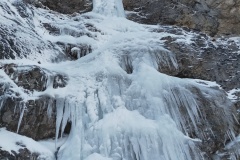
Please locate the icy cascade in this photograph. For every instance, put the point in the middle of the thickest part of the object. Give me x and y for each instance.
(118, 134)
(109, 7)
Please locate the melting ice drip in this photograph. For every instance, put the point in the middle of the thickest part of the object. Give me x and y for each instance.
(109, 7)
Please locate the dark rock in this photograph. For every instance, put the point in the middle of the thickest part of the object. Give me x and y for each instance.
(34, 78)
(210, 63)
(215, 127)
(212, 17)
(24, 154)
(28, 77)
(204, 58)
(59, 81)
(64, 6)
(34, 118)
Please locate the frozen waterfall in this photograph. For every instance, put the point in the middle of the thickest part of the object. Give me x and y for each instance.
(119, 104)
(109, 7)
(125, 117)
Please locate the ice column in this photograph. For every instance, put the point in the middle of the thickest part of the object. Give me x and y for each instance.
(109, 7)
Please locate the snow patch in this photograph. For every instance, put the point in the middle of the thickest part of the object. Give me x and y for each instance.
(13, 142)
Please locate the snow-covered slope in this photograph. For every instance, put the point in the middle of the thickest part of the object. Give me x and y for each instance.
(12, 142)
(120, 106)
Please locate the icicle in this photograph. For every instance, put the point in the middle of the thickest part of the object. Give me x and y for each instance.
(66, 116)
(149, 139)
(22, 108)
(91, 106)
(59, 108)
(2, 99)
(69, 151)
(50, 108)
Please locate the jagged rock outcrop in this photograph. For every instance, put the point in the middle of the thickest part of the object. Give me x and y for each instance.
(218, 17)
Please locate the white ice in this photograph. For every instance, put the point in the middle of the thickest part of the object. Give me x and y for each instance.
(109, 7)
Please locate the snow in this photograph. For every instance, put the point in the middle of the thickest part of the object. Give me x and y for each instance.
(205, 83)
(231, 94)
(114, 115)
(13, 142)
(51, 145)
(96, 156)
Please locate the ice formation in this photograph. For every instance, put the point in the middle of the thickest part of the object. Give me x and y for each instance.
(109, 7)
(119, 105)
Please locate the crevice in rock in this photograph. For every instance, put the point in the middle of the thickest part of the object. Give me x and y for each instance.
(126, 63)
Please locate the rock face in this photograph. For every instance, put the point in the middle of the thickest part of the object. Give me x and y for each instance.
(30, 78)
(212, 123)
(206, 58)
(212, 17)
(64, 6)
(35, 117)
(202, 58)
(34, 78)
